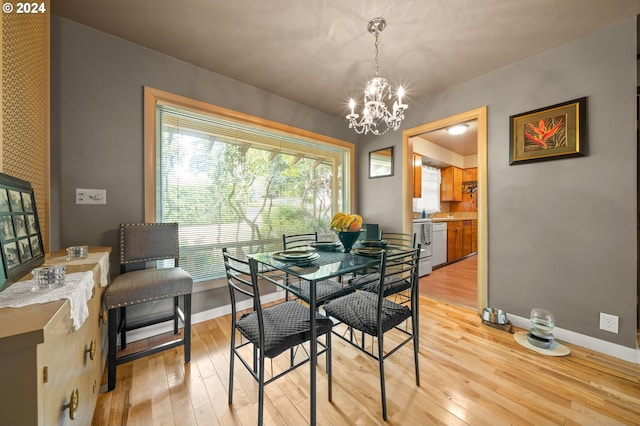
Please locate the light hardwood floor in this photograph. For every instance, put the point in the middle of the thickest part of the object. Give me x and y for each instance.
(456, 283)
(471, 374)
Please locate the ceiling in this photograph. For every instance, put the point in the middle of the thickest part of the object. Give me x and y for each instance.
(319, 53)
(464, 144)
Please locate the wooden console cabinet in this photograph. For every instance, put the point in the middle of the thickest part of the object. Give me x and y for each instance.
(45, 364)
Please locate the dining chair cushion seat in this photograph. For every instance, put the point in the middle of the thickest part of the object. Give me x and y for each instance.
(146, 285)
(323, 289)
(359, 310)
(285, 326)
(370, 283)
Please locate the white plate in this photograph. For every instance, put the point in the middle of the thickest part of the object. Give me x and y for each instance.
(299, 260)
(296, 254)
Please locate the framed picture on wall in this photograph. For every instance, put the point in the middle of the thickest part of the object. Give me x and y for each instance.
(553, 132)
(20, 237)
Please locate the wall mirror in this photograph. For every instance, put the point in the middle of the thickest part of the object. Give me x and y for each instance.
(381, 163)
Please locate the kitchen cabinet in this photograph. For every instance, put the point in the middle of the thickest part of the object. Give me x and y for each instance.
(454, 240)
(466, 238)
(417, 176)
(474, 236)
(46, 365)
(462, 239)
(451, 184)
(470, 175)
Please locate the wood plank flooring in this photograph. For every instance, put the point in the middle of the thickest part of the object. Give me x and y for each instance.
(456, 283)
(471, 374)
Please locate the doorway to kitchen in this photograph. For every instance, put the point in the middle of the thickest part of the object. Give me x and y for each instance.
(479, 118)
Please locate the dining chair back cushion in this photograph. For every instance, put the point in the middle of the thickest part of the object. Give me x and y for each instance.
(146, 242)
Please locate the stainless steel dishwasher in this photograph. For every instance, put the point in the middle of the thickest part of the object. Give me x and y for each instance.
(439, 243)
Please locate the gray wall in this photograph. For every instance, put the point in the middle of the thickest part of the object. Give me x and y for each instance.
(562, 234)
(97, 126)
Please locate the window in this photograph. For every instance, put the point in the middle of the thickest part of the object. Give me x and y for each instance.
(230, 181)
(430, 189)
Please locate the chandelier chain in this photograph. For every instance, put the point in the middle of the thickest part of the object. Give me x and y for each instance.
(376, 44)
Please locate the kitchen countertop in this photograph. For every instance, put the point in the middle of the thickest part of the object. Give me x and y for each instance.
(450, 219)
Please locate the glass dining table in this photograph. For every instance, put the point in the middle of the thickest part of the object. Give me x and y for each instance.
(325, 266)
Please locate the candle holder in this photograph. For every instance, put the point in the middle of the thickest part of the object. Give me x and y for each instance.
(77, 252)
(47, 277)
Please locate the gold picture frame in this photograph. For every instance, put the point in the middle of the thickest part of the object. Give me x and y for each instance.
(553, 132)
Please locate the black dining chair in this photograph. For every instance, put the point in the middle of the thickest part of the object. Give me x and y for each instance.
(399, 239)
(270, 330)
(374, 315)
(141, 280)
(298, 240)
(392, 284)
(323, 288)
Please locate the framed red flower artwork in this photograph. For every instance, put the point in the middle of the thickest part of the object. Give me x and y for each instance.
(553, 132)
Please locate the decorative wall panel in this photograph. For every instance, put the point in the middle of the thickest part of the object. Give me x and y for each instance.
(25, 104)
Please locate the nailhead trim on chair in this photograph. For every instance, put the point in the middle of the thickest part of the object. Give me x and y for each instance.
(120, 305)
(122, 251)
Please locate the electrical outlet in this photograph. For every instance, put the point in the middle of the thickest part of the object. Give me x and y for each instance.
(91, 196)
(608, 322)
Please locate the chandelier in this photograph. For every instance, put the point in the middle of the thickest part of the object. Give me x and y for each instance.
(376, 117)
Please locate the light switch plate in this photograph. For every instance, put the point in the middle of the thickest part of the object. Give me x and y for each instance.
(91, 196)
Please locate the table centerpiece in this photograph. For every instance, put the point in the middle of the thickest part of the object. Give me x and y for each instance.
(348, 227)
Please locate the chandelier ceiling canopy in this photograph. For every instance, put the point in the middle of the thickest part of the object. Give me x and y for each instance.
(376, 116)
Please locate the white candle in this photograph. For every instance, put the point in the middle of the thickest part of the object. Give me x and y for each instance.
(352, 105)
(400, 94)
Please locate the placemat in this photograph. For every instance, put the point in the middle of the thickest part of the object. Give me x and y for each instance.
(77, 289)
(99, 257)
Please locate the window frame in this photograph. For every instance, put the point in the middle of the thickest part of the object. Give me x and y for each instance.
(153, 96)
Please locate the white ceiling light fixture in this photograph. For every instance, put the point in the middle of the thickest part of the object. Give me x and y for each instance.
(458, 129)
(376, 117)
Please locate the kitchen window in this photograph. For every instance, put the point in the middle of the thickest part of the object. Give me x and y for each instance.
(236, 181)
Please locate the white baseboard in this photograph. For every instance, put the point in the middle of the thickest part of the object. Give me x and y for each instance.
(607, 348)
(153, 330)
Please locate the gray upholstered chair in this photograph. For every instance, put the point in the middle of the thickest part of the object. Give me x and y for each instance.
(374, 315)
(140, 281)
(271, 330)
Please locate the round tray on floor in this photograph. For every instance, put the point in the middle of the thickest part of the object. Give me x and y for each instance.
(556, 348)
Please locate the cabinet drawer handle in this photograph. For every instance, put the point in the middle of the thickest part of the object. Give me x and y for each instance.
(72, 405)
(91, 349)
